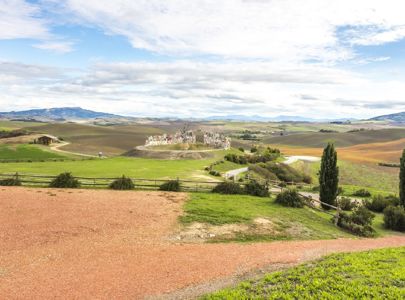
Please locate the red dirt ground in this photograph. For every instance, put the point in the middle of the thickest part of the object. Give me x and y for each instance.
(82, 244)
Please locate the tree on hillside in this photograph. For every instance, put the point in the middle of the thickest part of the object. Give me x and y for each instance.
(402, 180)
(329, 176)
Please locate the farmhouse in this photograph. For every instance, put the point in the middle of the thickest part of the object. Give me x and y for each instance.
(47, 140)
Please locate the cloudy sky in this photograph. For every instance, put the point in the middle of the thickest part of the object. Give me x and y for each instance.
(313, 58)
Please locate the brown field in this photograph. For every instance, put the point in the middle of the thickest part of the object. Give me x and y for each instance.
(362, 153)
(86, 244)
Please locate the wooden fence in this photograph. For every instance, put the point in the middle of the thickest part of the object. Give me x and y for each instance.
(98, 182)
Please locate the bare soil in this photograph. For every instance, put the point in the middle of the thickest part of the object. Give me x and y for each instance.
(86, 244)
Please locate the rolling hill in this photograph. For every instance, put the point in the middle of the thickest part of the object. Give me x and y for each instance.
(341, 139)
(90, 139)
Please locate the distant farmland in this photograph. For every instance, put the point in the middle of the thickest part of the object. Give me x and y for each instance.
(90, 139)
(341, 139)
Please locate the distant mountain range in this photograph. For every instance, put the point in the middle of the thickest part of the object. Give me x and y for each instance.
(57, 114)
(281, 118)
(79, 114)
(397, 117)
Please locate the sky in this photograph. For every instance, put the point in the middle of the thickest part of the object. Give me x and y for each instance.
(180, 58)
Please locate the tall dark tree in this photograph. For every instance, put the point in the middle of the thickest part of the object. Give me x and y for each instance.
(402, 180)
(329, 176)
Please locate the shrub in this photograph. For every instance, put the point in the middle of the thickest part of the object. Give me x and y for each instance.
(253, 150)
(123, 183)
(358, 223)
(362, 193)
(214, 173)
(290, 198)
(256, 189)
(14, 181)
(379, 203)
(171, 186)
(394, 218)
(307, 179)
(65, 180)
(241, 149)
(346, 204)
(230, 188)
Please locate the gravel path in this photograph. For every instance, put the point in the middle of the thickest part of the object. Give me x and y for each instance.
(235, 172)
(87, 244)
(293, 159)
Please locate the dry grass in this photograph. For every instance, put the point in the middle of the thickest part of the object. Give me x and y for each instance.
(363, 153)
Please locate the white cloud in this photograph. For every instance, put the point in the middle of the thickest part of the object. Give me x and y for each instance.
(190, 89)
(56, 46)
(19, 19)
(278, 29)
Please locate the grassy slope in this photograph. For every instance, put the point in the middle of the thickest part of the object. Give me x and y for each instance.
(11, 125)
(225, 209)
(317, 139)
(90, 139)
(378, 274)
(27, 152)
(353, 176)
(134, 167)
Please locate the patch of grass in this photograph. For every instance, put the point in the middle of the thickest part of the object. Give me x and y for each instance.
(26, 152)
(116, 167)
(226, 209)
(378, 274)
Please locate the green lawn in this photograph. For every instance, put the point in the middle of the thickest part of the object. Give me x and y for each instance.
(378, 274)
(117, 166)
(290, 223)
(27, 152)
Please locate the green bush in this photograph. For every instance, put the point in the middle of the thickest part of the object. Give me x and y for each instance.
(358, 223)
(346, 203)
(256, 189)
(241, 149)
(362, 193)
(65, 180)
(230, 188)
(290, 198)
(123, 183)
(394, 218)
(379, 203)
(171, 186)
(214, 173)
(14, 181)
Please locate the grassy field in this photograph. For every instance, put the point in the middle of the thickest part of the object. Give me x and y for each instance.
(377, 274)
(345, 139)
(12, 125)
(27, 152)
(353, 176)
(91, 139)
(117, 166)
(288, 223)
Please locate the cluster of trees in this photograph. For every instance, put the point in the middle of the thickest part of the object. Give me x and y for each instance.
(13, 133)
(268, 154)
(359, 222)
(279, 171)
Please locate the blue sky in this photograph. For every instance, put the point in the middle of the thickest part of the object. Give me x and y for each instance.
(315, 58)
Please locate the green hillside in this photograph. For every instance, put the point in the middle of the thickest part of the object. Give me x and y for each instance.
(26, 152)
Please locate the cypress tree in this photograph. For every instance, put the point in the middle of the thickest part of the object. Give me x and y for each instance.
(402, 180)
(328, 176)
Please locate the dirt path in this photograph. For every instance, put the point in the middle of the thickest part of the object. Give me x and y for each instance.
(102, 244)
(56, 147)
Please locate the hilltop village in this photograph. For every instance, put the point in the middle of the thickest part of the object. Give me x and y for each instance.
(212, 139)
